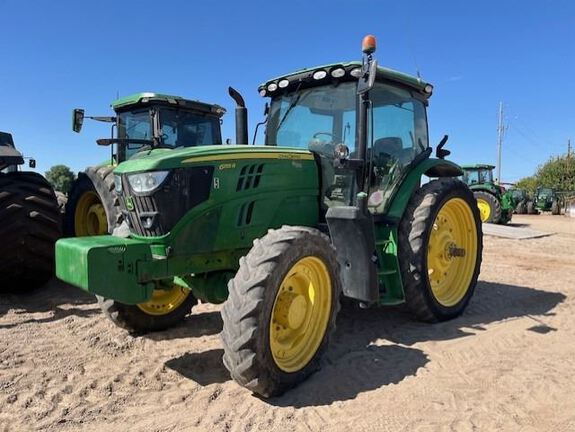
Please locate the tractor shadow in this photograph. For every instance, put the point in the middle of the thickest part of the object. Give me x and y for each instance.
(372, 348)
(361, 358)
(57, 297)
(195, 325)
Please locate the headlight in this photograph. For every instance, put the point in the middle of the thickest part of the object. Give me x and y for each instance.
(147, 181)
(118, 183)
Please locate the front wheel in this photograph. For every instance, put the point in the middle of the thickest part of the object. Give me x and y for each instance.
(440, 249)
(489, 207)
(168, 306)
(281, 310)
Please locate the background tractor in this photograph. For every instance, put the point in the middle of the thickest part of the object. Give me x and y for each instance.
(547, 199)
(495, 204)
(332, 204)
(141, 121)
(30, 222)
(522, 200)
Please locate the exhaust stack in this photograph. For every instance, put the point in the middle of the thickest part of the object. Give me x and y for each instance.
(241, 117)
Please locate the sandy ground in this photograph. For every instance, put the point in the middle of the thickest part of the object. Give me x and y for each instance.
(506, 364)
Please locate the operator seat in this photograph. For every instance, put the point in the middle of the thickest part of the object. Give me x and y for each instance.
(186, 138)
(388, 147)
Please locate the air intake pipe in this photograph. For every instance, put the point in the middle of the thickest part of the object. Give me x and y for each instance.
(241, 117)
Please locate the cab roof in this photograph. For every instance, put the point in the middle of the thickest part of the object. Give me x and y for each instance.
(147, 98)
(477, 166)
(383, 74)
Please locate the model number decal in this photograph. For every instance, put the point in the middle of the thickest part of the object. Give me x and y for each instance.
(226, 166)
(216, 183)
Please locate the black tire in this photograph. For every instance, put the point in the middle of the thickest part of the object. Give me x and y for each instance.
(414, 234)
(101, 181)
(494, 205)
(247, 312)
(531, 208)
(555, 208)
(136, 321)
(30, 224)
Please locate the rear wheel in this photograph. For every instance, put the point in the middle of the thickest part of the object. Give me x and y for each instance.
(30, 224)
(555, 209)
(93, 207)
(440, 247)
(281, 310)
(531, 208)
(489, 207)
(521, 208)
(168, 306)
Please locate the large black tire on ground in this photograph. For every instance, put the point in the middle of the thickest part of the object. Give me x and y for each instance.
(415, 229)
(137, 321)
(30, 224)
(494, 205)
(247, 314)
(555, 208)
(101, 181)
(531, 208)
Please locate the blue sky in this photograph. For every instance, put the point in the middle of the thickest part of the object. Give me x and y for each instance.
(64, 54)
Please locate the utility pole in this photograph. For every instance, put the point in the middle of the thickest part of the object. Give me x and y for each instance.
(500, 131)
(569, 147)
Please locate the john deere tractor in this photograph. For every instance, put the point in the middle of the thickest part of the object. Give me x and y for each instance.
(547, 199)
(29, 222)
(522, 200)
(331, 205)
(141, 121)
(495, 204)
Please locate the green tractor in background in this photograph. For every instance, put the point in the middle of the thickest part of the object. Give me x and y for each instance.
(547, 199)
(522, 200)
(141, 121)
(30, 222)
(328, 206)
(495, 204)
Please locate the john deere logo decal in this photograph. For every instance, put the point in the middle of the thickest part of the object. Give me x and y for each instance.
(130, 203)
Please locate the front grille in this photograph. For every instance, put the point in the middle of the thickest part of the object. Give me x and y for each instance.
(155, 214)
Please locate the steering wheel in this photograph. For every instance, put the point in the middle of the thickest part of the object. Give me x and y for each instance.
(315, 135)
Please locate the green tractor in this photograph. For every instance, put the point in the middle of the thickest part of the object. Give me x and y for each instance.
(522, 200)
(495, 204)
(332, 205)
(30, 222)
(547, 199)
(141, 121)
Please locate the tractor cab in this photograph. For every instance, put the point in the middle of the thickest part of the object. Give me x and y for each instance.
(319, 109)
(153, 120)
(479, 174)
(10, 158)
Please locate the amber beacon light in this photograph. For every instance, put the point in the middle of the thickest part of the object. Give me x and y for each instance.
(368, 44)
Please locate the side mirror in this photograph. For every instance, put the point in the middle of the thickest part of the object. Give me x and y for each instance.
(32, 163)
(77, 119)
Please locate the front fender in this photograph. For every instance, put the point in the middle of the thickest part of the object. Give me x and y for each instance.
(430, 167)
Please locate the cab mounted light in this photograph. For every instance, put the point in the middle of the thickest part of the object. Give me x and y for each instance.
(428, 89)
(263, 92)
(283, 83)
(356, 73)
(338, 72)
(272, 87)
(319, 74)
(368, 44)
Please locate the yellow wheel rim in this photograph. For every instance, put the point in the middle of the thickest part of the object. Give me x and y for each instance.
(300, 314)
(164, 301)
(484, 209)
(452, 252)
(90, 217)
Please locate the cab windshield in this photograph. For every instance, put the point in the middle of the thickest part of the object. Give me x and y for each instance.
(319, 118)
(479, 176)
(179, 128)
